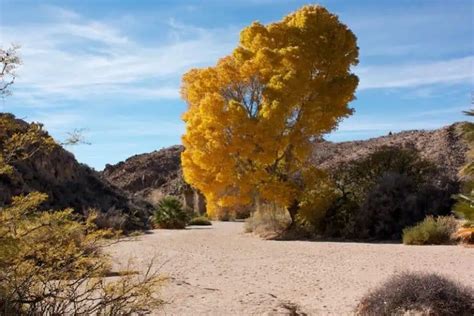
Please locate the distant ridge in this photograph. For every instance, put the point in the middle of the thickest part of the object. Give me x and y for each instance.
(444, 146)
(153, 175)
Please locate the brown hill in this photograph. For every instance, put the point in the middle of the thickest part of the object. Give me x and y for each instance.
(445, 147)
(68, 184)
(156, 174)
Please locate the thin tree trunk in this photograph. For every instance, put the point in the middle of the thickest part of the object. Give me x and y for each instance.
(293, 211)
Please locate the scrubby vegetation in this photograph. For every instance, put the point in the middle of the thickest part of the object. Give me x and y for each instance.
(375, 198)
(51, 261)
(51, 264)
(113, 219)
(378, 196)
(465, 233)
(431, 231)
(170, 214)
(268, 220)
(200, 221)
(465, 205)
(420, 294)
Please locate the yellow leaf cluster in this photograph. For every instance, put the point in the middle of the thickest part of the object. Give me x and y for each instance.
(251, 118)
(20, 141)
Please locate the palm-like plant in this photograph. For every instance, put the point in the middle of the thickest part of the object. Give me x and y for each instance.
(170, 214)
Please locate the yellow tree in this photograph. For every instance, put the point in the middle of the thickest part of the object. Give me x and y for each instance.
(252, 117)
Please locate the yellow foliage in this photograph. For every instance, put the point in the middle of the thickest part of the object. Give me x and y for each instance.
(50, 263)
(465, 235)
(20, 142)
(251, 118)
(318, 195)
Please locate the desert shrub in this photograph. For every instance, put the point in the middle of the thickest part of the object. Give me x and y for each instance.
(113, 219)
(465, 233)
(51, 264)
(378, 196)
(269, 219)
(200, 221)
(359, 176)
(431, 231)
(397, 201)
(170, 214)
(390, 206)
(420, 294)
(340, 218)
(465, 200)
(225, 215)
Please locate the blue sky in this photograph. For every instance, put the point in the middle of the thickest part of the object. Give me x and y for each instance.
(114, 67)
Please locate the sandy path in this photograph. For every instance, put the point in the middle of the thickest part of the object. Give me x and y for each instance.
(222, 271)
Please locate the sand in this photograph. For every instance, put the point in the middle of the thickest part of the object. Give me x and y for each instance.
(220, 270)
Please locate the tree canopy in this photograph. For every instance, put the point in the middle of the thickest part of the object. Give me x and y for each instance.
(252, 117)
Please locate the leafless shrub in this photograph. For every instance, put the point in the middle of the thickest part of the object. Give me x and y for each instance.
(418, 293)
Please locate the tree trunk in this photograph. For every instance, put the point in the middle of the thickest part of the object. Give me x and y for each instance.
(293, 210)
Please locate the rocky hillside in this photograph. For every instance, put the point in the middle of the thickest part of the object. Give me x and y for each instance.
(445, 147)
(156, 174)
(68, 184)
(140, 173)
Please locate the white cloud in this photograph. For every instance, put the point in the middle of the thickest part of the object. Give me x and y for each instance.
(413, 75)
(72, 57)
(57, 122)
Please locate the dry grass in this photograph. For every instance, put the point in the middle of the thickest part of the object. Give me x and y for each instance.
(268, 221)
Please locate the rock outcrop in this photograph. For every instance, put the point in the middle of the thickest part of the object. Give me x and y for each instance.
(154, 175)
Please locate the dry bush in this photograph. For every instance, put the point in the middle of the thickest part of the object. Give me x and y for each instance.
(418, 294)
(52, 264)
(226, 214)
(431, 231)
(465, 233)
(268, 220)
(113, 219)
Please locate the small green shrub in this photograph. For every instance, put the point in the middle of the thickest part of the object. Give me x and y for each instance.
(200, 221)
(418, 294)
(431, 231)
(170, 214)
